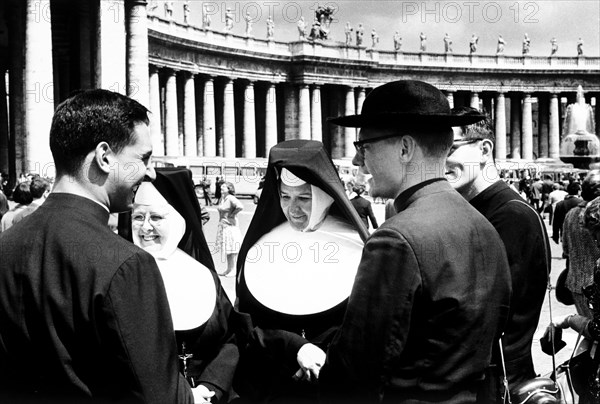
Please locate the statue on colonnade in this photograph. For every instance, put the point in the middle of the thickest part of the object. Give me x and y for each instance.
(359, 34)
(270, 28)
(374, 38)
(169, 9)
(249, 23)
(301, 29)
(579, 47)
(397, 41)
(186, 12)
(447, 43)
(553, 46)
(473, 44)
(501, 44)
(228, 20)
(324, 16)
(423, 38)
(348, 32)
(526, 44)
(206, 21)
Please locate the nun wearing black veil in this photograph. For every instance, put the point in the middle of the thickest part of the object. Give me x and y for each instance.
(296, 269)
(166, 222)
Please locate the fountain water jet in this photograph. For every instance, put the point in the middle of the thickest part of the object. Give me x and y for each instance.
(580, 146)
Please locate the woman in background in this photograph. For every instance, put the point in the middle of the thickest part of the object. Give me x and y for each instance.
(229, 237)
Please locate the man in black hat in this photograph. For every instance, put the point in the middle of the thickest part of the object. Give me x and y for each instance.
(433, 286)
(471, 170)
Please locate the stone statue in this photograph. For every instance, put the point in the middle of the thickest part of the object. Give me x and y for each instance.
(374, 38)
(152, 6)
(579, 47)
(397, 41)
(270, 28)
(447, 43)
(359, 34)
(348, 32)
(500, 47)
(169, 9)
(423, 39)
(206, 21)
(526, 44)
(249, 23)
(301, 28)
(228, 20)
(315, 30)
(186, 12)
(473, 44)
(553, 46)
(323, 16)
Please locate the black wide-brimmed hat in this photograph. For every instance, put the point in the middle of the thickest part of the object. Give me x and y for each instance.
(406, 102)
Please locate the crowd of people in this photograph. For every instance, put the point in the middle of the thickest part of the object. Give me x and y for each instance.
(439, 303)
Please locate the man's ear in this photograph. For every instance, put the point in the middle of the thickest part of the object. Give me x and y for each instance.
(487, 150)
(407, 148)
(103, 157)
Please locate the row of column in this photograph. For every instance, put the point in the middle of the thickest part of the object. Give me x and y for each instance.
(521, 144)
(304, 120)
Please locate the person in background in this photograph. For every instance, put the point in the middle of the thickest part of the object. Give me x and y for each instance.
(471, 170)
(218, 184)
(363, 207)
(229, 237)
(3, 204)
(84, 315)
(205, 184)
(296, 269)
(40, 188)
(579, 247)
(432, 289)
(558, 194)
(563, 207)
(21, 195)
(589, 325)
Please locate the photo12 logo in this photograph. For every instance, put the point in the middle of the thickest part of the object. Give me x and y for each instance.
(469, 11)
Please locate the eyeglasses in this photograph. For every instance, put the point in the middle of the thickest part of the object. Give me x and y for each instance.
(462, 142)
(360, 144)
(155, 219)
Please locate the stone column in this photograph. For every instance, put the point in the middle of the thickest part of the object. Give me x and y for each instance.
(543, 125)
(360, 99)
(4, 138)
(171, 119)
(209, 136)
(111, 63)
(450, 97)
(315, 114)
(349, 133)
(189, 116)
(597, 114)
(554, 132)
(527, 128)
(515, 125)
(39, 95)
(158, 143)
(304, 112)
(249, 143)
(290, 108)
(270, 118)
(500, 126)
(474, 103)
(137, 51)
(228, 120)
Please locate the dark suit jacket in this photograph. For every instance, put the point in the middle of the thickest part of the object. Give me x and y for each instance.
(364, 209)
(430, 298)
(83, 313)
(560, 212)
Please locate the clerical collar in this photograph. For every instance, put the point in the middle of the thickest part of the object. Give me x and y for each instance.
(406, 194)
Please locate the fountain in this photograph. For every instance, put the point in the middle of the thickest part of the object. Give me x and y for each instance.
(580, 146)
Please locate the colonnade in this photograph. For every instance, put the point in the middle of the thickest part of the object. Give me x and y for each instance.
(246, 120)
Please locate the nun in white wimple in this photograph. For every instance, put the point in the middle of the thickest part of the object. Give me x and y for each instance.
(296, 268)
(202, 314)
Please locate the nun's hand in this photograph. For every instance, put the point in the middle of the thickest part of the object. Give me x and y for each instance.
(310, 358)
(202, 394)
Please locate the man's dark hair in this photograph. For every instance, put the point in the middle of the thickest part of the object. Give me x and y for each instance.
(573, 188)
(38, 187)
(482, 129)
(590, 188)
(22, 194)
(88, 118)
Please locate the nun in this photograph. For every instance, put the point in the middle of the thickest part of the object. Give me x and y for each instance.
(296, 269)
(166, 222)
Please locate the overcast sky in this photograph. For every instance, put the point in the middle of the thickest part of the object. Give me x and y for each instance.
(567, 20)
